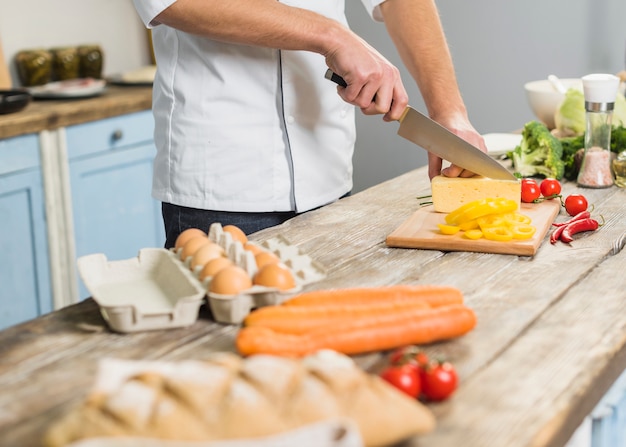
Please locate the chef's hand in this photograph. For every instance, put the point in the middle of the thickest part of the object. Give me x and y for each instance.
(465, 130)
(373, 83)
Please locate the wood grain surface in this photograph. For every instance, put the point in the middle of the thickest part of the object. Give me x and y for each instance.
(420, 231)
(550, 338)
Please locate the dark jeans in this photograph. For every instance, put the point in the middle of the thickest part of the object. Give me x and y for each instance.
(178, 218)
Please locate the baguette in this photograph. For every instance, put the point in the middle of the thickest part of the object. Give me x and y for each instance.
(228, 397)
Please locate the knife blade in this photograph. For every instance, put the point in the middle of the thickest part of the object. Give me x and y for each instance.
(433, 137)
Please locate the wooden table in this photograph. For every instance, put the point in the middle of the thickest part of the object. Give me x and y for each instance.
(550, 339)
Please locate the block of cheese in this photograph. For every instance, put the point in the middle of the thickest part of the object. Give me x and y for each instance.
(449, 193)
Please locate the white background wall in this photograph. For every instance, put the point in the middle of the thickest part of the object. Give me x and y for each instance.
(113, 24)
(497, 46)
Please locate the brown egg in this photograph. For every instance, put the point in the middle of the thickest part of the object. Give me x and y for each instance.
(266, 257)
(230, 281)
(206, 253)
(236, 233)
(275, 275)
(186, 235)
(252, 248)
(192, 245)
(213, 266)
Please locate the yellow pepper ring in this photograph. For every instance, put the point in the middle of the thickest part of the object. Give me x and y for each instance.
(454, 215)
(523, 231)
(498, 234)
(480, 208)
(469, 225)
(492, 220)
(517, 218)
(448, 229)
(473, 234)
(490, 208)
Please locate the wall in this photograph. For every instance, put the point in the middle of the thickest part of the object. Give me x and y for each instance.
(113, 24)
(497, 46)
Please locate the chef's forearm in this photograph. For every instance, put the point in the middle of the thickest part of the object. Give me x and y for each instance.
(266, 23)
(416, 30)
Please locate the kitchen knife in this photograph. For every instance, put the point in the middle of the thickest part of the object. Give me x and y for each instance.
(432, 136)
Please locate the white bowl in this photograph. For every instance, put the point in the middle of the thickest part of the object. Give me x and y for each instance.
(544, 100)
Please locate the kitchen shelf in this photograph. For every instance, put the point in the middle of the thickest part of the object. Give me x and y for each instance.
(50, 114)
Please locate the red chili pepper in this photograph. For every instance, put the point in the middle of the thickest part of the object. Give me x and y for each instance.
(577, 227)
(556, 234)
(579, 216)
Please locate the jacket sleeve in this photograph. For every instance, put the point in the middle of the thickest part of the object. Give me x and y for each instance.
(373, 9)
(149, 9)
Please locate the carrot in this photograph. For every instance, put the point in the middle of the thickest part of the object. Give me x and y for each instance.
(362, 335)
(434, 295)
(301, 319)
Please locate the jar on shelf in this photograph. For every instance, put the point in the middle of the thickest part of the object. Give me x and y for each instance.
(65, 63)
(34, 67)
(91, 61)
(600, 93)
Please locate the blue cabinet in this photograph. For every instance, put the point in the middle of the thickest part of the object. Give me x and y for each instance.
(25, 290)
(110, 170)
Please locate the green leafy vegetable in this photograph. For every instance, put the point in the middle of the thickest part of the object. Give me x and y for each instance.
(571, 145)
(570, 119)
(539, 153)
(570, 116)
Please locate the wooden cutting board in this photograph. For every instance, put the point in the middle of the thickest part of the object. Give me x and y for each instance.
(421, 231)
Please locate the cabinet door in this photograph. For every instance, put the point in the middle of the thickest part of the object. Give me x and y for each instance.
(114, 212)
(25, 290)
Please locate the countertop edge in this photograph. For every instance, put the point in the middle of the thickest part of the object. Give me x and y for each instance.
(48, 114)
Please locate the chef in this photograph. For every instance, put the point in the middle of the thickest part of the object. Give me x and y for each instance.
(247, 129)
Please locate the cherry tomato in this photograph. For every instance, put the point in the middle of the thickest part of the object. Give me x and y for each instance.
(575, 203)
(530, 190)
(403, 377)
(550, 188)
(409, 355)
(439, 380)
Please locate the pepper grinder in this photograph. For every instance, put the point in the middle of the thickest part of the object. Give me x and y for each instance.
(600, 93)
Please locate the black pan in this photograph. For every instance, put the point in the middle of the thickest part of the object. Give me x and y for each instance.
(13, 100)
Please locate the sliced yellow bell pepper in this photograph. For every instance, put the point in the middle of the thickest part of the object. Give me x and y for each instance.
(495, 219)
(473, 234)
(523, 231)
(492, 220)
(516, 218)
(448, 229)
(469, 225)
(480, 208)
(454, 216)
(498, 234)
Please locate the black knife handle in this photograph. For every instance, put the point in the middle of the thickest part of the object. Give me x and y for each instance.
(339, 80)
(331, 75)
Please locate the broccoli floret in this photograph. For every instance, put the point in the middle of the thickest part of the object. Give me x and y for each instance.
(539, 153)
(571, 145)
(618, 139)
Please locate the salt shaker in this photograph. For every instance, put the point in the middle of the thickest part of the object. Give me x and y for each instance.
(600, 93)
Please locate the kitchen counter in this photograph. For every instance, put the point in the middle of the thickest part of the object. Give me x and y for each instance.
(550, 339)
(49, 114)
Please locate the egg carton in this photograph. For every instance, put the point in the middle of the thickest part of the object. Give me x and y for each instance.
(154, 290)
(233, 309)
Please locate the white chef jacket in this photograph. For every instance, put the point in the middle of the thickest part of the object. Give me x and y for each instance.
(244, 128)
